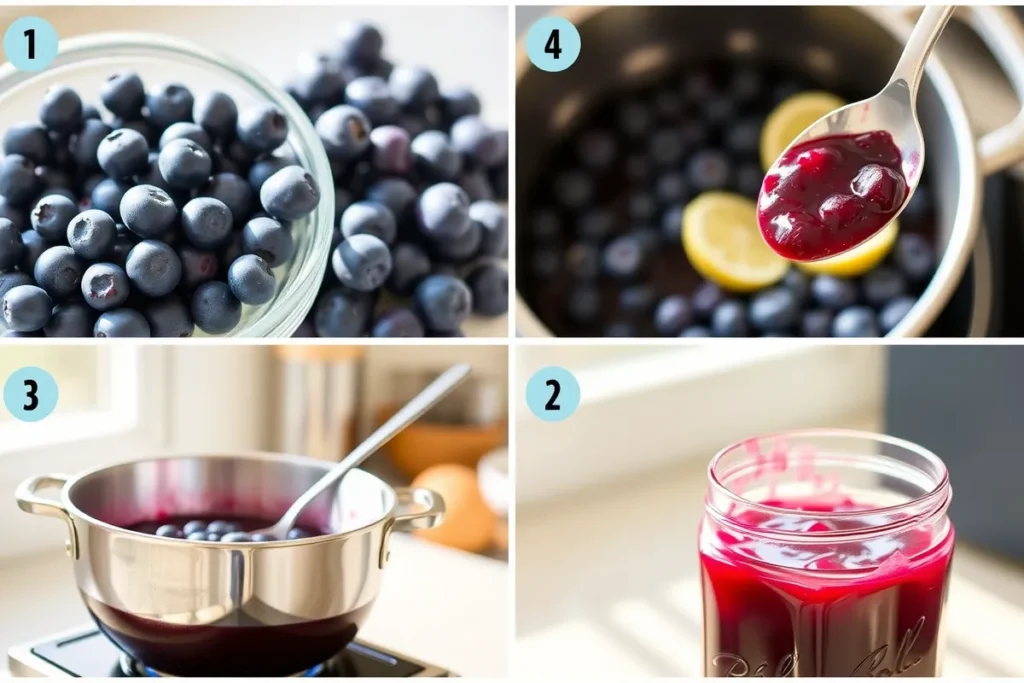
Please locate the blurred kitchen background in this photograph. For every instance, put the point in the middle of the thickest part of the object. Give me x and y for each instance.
(608, 501)
(445, 596)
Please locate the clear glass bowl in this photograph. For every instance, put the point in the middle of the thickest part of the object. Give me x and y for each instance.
(85, 62)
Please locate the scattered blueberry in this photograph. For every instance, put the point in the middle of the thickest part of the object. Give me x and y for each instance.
(443, 302)
(729, 319)
(443, 211)
(344, 132)
(105, 286)
(214, 308)
(489, 286)
(894, 312)
(121, 322)
(369, 218)
(435, 157)
(673, 315)
(26, 308)
(362, 262)
(855, 321)
(341, 312)
(290, 194)
(774, 310)
(398, 322)
(269, 239)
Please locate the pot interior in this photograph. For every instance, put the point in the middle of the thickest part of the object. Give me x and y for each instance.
(626, 49)
(212, 486)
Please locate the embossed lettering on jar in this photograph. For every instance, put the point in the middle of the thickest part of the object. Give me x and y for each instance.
(825, 553)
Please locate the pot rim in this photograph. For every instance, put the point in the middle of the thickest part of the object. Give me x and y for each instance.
(260, 456)
(966, 220)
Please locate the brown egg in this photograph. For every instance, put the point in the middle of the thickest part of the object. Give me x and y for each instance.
(468, 522)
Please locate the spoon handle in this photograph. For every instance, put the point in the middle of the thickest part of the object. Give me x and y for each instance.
(409, 413)
(923, 38)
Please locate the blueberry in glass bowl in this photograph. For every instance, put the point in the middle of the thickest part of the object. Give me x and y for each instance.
(161, 138)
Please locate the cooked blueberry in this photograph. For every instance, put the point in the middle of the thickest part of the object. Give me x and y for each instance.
(123, 153)
(915, 257)
(341, 312)
(409, 265)
(85, 143)
(214, 308)
(435, 157)
(583, 304)
(26, 308)
(484, 145)
(729, 319)
(107, 196)
(184, 164)
(169, 317)
(709, 170)
(29, 140)
(624, 258)
(894, 312)
(833, 292)
(169, 104)
(121, 322)
(59, 271)
(414, 88)
(583, 261)
(398, 322)
(18, 181)
(443, 211)
(170, 531)
(638, 299)
(489, 285)
(206, 222)
(667, 147)
(443, 302)
(91, 234)
(236, 537)
(344, 132)
(883, 284)
(774, 310)
(294, 534)
(60, 109)
(70, 320)
(695, 331)
(153, 268)
(674, 313)
(33, 245)
(459, 102)
(362, 262)
(290, 194)
(251, 280)
(11, 246)
(855, 321)
(217, 113)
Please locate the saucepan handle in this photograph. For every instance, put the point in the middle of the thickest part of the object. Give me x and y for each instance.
(417, 508)
(31, 502)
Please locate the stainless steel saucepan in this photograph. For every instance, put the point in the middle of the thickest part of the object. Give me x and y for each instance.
(625, 45)
(189, 608)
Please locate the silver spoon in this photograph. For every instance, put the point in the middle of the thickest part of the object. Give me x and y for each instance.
(409, 413)
(894, 109)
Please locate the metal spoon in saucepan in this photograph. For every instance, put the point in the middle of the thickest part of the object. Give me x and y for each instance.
(851, 173)
(409, 413)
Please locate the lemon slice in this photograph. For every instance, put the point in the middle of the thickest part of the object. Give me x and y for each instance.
(858, 260)
(722, 243)
(790, 118)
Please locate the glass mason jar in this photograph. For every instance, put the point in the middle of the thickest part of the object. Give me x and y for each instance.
(85, 62)
(825, 553)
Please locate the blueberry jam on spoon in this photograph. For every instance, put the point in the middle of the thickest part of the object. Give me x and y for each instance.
(827, 195)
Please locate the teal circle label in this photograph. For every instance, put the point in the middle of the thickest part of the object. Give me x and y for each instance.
(31, 43)
(30, 394)
(553, 44)
(553, 394)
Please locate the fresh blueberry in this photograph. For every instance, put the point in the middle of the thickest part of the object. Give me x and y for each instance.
(11, 247)
(798, 283)
(91, 234)
(443, 211)
(494, 223)
(459, 102)
(706, 299)
(729, 319)
(107, 196)
(672, 225)
(709, 170)
(215, 309)
(619, 328)
(409, 265)
(624, 258)
(34, 245)
(817, 323)
(70, 320)
(395, 193)
(489, 286)
(153, 268)
(443, 302)
(18, 181)
(59, 271)
(50, 179)
(344, 132)
(217, 113)
(341, 312)
(26, 308)
(477, 185)
(642, 207)
(479, 142)
(169, 317)
(261, 538)
(185, 130)
(774, 310)
(638, 168)
(392, 151)
(143, 127)
(169, 104)
(638, 299)
(462, 248)
(29, 140)
(236, 537)
(199, 536)
(695, 331)
(234, 191)
(667, 147)
(85, 143)
(372, 96)
(9, 281)
(318, 80)
(919, 208)
(105, 286)
(882, 285)
(398, 322)
(193, 527)
(915, 257)
(595, 225)
(197, 266)
(894, 312)
(14, 214)
(206, 222)
(583, 261)
(833, 292)
(855, 321)
(545, 226)
(743, 138)
(251, 280)
(262, 128)
(263, 169)
(123, 94)
(362, 262)
(184, 164)
(234, 157)
(290, 194)
(220, 527)
(294, 534)
(123, 153)
(369, 218)
(435, 157)
(597, 149)
(268, 239)
(414, 88)
(635, 119)
(749, 178)
(673, 315)
(672, 187)
(583, 304)
(61, 109)
(170, 531)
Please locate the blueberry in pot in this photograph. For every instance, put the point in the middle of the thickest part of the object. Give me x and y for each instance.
(696, 331)
(220, 527)
(185, 165)
(105, 286)
(290, 194)
(637, 299)
(269, 239)
(362, 262)
(369, 218)
(26, 308)
(624, 258)
(443, 302)
(342, 312)
(344, 132)
(833, 292)
(169, 103)
(251, 280)
(915, 257)
(194, 526)
(121, 322)
(169, 317)
(882, 285)
(855, 321)
(214, 308)
(206, 222)
(91, 234)
(729, 319)
(443, 211)
(489, 286)
(296, 533)
(583, 304)
(60, 109)
(236, 537)
(169, 531)
(70, 320)
(619, 328)
(673, 314)
(201, 536)
(11, 246)
(262, 128)
(774, 310)
(153, 268)
(817, 323)
(217, 113)
(894, 312)
(58, 271)
(398, 322)
(18, 181)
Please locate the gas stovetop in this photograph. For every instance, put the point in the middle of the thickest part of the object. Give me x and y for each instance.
(86, 653)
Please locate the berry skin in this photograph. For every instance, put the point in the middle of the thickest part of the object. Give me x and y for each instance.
(123, 94)
(59, 271)
(362, 262)
(369, 218)
(123, 153)
(489, 285)
(105, 286)
(410, 264)
(443, 302)
(215, 309)
(70, 320)
(443, 211)
(251, 280)
(26, 308)
(147, 211)
(217, 113)
(290, 194)
(262, 128)
(398, 322)
(184, 164)
(434, 156)
(91, 234)
(61, 109)
(169, 104)
(85, 143)
(121, 322)
(30, 140)
(11, 246)
(18, 181)
(153, 268)
(268, 239)
(344, 132)
(206, 222)
(341, 312)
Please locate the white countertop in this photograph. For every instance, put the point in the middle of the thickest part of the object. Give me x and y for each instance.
(438, 605)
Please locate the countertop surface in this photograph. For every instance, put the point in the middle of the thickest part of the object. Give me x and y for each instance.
(441, 606)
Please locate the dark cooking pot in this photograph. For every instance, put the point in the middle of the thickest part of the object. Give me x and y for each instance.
(189, 608)
(626, 45)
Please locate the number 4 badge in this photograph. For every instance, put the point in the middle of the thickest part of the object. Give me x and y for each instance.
(553, 44)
